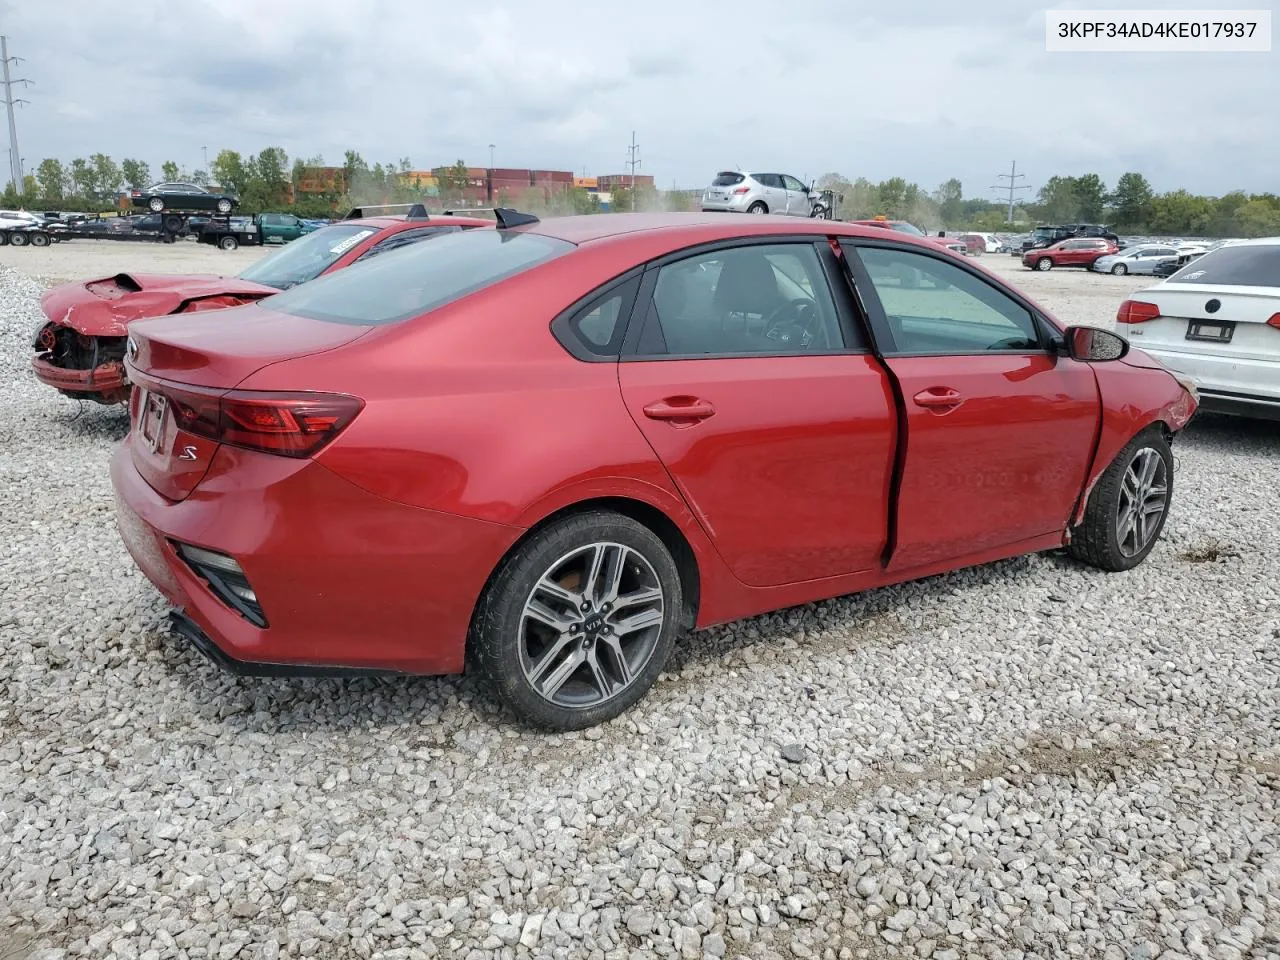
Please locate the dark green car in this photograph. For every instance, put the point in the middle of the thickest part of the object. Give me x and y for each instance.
(281, 227)
(182, 196)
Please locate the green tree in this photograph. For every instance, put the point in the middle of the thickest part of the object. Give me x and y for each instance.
(1258, 218)
(1058, 199)
(169, 170)
(1180, 212)
(229, 171)
(1131, 201)
(1091, 194)
(82, 177)
(106, 175)
(52, 178)
(452, 181)
(136, 173)
(950, 200)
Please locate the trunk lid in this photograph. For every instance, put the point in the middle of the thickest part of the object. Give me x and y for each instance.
(182, 365)
(1193, 315)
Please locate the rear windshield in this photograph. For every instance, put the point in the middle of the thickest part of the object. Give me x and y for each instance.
(405, 283)
(726, 179)
(1246, 266)
(903, 227)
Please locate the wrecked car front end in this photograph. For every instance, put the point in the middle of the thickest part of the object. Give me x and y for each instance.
(79, 349)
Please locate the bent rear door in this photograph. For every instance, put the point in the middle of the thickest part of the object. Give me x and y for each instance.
(744, 373)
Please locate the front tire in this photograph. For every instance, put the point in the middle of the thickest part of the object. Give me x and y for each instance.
(228, 243)
(758, 207)
(1119, 270)
(19, 239)
(1044, 264)
(1128, 506)
(39, 239)
(578, 622)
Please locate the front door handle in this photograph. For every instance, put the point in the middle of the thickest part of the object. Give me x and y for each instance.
(690, 409)
(938, 398)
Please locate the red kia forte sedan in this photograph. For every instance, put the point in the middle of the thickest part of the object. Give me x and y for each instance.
(547, 450)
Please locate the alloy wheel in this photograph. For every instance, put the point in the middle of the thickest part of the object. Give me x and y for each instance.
(590, 625)
(1144, 497)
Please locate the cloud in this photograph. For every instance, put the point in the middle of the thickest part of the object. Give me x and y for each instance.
(925, 89)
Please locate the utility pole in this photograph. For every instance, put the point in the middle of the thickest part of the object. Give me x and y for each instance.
(633, 161)
(15, 162)
(1013, 176)
(491, 156)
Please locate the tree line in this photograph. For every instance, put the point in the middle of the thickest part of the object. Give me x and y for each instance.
(267, 180)
(1132, 206)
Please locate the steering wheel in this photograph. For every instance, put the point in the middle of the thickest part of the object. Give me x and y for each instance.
(795, 321)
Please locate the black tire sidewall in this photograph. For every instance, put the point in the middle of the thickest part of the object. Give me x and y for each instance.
(758, 206)
(495, 631)
(1110, 502)
(228, 243)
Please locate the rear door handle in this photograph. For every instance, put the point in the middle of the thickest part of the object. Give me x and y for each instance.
(938, 398)
(679, 408)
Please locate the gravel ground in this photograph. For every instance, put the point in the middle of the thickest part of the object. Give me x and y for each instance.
(1028, 759)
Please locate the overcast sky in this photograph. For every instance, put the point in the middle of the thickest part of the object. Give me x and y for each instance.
(925, 89)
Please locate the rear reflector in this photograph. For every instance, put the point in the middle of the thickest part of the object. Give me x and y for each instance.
(1136, 311)
(288, 424)
(1274, 321)
(226, 579)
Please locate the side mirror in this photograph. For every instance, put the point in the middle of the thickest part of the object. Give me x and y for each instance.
(1094, 345)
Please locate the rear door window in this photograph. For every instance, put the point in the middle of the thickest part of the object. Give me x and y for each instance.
(770, 299)
(1254, 265)
(422, 276)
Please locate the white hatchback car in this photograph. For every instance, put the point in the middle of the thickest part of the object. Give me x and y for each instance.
(1217, 322)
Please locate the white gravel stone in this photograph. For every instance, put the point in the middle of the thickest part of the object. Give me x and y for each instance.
(1026, 759)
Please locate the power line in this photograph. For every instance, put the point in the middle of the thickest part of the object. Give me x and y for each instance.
(1013, 176)
(15, 161)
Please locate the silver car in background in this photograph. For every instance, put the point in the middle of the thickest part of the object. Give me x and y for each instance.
(736, 191)
(1138, 259)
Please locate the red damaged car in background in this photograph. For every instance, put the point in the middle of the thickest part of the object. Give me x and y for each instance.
(79, 350)
(546, 450)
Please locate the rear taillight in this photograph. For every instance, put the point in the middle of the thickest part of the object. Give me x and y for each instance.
(288, 424)
(1274, 321)
(742, 190)
(1136, 311)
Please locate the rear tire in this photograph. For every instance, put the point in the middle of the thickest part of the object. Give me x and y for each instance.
(1119, 270)
(1044, 264)
(758, 207)
(19, 239)
(173, 223)
(596, 662)
(155, 204)
(1128, 506)
(224, 206)
(39, 239)
(228, 243)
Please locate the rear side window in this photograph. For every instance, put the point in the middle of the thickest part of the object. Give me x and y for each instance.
(594, 331)
(420, 277)
(727, 179)
(1246, 266)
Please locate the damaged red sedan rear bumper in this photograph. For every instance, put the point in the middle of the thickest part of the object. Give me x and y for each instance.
(105, 383)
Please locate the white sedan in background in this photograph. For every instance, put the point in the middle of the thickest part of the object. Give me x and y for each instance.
(1140, 259)
(1217, 322)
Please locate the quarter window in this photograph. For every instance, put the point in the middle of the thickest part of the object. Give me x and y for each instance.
(934, 307)
(771, 299)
